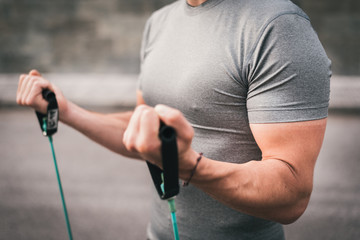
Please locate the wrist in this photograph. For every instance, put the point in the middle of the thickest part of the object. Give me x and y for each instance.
(186, 183)
(66, 110)
(187, 164)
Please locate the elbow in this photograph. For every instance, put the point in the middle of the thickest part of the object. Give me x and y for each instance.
(292, 215)
(296, 209)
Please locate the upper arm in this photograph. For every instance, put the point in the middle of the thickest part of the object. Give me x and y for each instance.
(288, 96)
(297, 144)
(288, 74)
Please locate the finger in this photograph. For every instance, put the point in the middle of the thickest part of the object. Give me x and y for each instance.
(49, 86)
(20, 85)
(131, 132)
(148, 141)
(34, 72)
(174, 118)
(26, 84)
(30, 92)
(28, 88)
(35, 99)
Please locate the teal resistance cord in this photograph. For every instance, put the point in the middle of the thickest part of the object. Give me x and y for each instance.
(172, 208)
(48, 124)
(59, 182)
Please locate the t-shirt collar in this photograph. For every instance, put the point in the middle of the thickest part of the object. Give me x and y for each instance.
(201, 8)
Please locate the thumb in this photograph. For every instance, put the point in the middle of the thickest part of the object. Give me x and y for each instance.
(45, 85)
(34, 72)
(174, 118)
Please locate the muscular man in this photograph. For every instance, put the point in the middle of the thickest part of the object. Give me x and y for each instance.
(246, 82)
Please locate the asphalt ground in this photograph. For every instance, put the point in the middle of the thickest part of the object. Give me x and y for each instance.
(108, 196)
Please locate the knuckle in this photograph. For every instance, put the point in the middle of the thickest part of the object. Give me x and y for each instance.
(148, 112)
(174, 116)
(146, 146)
(141, 108)
(130, 146)
(30, 78)
(128, 143)
(142, 149)
(189, 134)
(28, 101)
(141, 145)
(37, 84)
(20, 100)
(22, 76)
(34, 79)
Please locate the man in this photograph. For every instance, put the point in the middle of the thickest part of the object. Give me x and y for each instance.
(246, 82)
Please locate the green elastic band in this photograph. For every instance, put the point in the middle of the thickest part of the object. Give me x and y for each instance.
(172, 208)
(59, 183)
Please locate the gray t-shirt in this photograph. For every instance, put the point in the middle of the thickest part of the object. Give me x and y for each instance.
(225, 64)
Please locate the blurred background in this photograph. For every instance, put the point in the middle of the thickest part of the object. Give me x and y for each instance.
(90, 49)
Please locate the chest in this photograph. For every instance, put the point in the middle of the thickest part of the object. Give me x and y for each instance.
(196, 70)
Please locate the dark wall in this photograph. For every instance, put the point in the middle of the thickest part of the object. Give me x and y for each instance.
(72, 35)
(338, 26)
(104, 35)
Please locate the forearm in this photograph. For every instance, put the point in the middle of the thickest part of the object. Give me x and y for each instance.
(277, 188)
(105, 129)
(266, 189)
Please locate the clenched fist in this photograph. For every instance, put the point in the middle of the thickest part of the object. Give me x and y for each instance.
(29, 92)
(141, 135)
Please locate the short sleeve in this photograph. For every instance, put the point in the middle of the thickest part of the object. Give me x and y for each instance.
(288, 73)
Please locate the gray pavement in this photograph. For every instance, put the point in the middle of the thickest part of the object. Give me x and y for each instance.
(108, 197)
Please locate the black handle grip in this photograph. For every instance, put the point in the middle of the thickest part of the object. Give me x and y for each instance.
(52, 115)
(170, 164)
(48, 95)
(170, 161)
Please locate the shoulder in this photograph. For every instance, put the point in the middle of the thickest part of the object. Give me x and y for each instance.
(156, 22)
(255, 15)
(264, 8)
(251, 18)
(160, 15)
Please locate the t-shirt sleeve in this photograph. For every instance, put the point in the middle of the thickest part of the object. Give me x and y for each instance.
(288, 73)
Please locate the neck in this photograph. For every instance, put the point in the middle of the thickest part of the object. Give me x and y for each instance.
(195, 3)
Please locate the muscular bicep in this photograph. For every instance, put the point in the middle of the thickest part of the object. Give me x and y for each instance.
(296, 144)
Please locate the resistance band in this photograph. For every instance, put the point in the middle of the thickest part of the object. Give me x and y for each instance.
(166, 181)
(48, 124)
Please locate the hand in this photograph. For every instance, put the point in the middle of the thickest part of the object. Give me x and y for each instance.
(141, 135)
(29, 92)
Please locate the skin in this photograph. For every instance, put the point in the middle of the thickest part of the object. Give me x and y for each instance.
(195, 3)
(277, 188)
